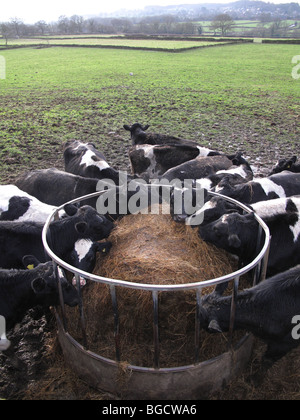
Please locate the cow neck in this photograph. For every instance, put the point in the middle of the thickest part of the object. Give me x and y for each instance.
(249, 249)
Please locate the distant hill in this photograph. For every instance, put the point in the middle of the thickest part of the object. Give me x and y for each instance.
(238, 10)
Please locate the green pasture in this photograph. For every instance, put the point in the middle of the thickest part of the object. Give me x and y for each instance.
(234, 97)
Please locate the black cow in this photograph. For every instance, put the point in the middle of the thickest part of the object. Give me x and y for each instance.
(138, 135)
(21, 290)
(267, 310)
(22, 238)
(55, 187)
(85, 160)
(286, 165)
(238, 234)
(284, 184)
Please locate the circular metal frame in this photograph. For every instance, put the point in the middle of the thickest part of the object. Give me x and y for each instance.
(179, 382)
(151, 287)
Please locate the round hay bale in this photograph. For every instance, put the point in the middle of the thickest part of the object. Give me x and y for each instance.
(153, 249)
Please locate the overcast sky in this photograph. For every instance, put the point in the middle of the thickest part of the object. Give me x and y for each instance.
(30, 11)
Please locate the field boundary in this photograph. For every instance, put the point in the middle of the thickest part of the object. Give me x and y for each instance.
(119, 47)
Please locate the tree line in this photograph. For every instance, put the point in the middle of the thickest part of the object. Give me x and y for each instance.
(221, 24)
(77, 25)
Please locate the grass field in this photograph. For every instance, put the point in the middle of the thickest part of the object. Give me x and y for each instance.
(234, 97)
(239, 97)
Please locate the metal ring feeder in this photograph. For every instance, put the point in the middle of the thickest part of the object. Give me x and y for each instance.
(181, 382)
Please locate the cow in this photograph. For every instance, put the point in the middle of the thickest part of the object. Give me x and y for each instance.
(267, 310)
(284, 184)
(17, 205)
(151, 161)
(21, 238)
(23, 289)
(215, 168)
(238, 173)
(286, 165)
(55, 187)
(211, 211)
(139, 136)
(238, 233)
(85, 160)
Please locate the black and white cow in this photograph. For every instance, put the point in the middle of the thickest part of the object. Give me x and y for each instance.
(286, 165)
(237, 233)
(17, 205)
(211, 170)
(21, 290)
(211, 211)
(266, 310)
(55, 187)
(284, 184)
(85, 160)
(240, 172)
(151, 161)
(22, 238)
(139, 136)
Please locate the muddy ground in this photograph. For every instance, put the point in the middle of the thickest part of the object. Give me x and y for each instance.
(35, 369)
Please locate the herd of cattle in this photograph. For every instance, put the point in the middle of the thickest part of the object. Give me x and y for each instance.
(266, 309)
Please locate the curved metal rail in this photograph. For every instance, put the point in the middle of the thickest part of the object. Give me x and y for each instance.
(259, 264)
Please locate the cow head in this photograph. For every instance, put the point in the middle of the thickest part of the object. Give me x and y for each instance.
(283, 165)
(90, 224)
(137, 132)
(232, 232)
(45, 286)
(212, 313)
(84, 254)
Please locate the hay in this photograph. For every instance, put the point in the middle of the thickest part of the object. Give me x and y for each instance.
(156, 250)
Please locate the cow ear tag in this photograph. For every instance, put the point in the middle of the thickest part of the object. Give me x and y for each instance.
(30, 267)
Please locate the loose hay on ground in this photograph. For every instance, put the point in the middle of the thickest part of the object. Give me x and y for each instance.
(153, 249)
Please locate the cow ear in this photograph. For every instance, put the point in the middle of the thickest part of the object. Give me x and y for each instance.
(293, 159)
(250, 217)
(146, 127)
(234, 241)
(71, 209)
(126, 127)
(38, 285)
(81, 227)
(214, 326)
(30, 262)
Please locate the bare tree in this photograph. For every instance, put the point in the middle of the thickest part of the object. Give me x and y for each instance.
(222, 22)
(63, 24)
(6, 31)
(76, 24)
(41, 26)
(17, 25)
